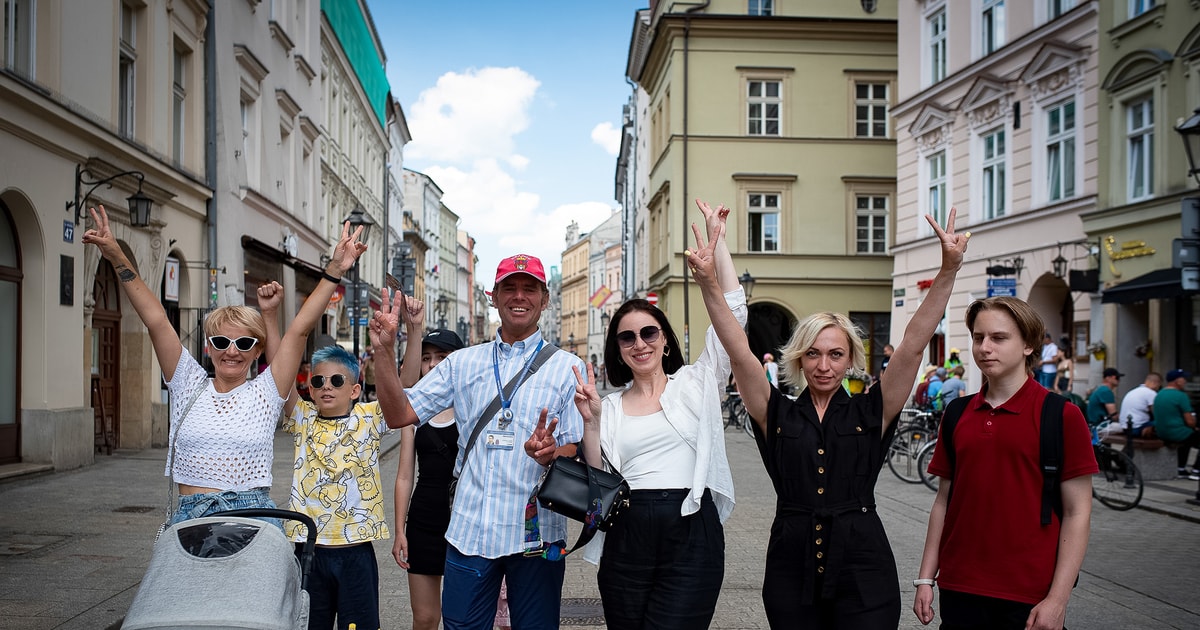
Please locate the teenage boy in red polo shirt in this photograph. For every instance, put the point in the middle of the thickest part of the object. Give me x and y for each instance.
(996, 565)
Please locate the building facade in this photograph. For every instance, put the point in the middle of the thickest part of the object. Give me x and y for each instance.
(574, 306)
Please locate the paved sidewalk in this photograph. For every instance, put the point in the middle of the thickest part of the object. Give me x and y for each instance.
(74, 547)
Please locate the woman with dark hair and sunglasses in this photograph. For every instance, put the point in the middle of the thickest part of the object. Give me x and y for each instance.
(222, 430)
(663, 562)
(829, 563)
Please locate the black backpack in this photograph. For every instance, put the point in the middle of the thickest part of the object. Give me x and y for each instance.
(1050, 451)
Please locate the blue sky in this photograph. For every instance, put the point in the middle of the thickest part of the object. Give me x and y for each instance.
(515, 111)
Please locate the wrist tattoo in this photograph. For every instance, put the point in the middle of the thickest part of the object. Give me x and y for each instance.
(125, 274)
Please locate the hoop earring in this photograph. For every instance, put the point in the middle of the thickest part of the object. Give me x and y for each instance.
(666, 351)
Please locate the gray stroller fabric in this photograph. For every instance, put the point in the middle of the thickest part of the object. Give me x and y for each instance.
(221, 572)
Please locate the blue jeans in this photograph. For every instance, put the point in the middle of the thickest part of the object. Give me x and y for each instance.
(1046, 379)
(343, 583)
(472, 585)
(192, 506)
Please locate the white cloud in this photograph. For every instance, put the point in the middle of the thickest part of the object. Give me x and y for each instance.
(471, 115)
(608, 137)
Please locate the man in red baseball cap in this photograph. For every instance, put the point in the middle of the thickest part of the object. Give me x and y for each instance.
(520, 295)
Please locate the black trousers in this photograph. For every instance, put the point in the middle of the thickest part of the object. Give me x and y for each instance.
(661, 569)
(964, 611)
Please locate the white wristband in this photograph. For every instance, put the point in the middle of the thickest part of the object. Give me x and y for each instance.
(924, 582)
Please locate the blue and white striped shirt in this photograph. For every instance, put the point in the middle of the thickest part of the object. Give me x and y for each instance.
(488, 518)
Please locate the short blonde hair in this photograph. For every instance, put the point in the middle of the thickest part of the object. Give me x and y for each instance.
(242, 316)
(805, 335)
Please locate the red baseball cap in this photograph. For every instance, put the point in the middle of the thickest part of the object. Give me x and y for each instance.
(521, 263)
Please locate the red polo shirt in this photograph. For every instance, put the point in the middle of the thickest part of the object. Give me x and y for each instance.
(993, 543)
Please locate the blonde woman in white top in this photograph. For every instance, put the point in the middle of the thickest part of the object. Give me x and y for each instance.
(222, 430)
(663, 562)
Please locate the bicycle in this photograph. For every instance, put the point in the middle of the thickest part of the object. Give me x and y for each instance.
(913, 433)
(923, 458)
(735, 413)
(1118, 484)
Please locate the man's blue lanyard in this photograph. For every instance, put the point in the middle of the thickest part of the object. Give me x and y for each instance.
(506, 413)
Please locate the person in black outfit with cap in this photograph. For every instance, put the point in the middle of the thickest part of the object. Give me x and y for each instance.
(829, 564)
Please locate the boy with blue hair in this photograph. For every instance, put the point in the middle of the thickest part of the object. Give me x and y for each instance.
(336, 479)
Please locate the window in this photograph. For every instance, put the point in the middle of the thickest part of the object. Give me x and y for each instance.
(870, 110)
(1059, 7)
(992, 24)
(870, 219)
(1140, 143)
(127, 72)
(763, 219)
(937, 46)
(1138, 7)
(1060, 151)
(875, 329)
(18, 36)
(762, 7)
(763, 104)
(993, 175)
(935, 200)
(179, 83)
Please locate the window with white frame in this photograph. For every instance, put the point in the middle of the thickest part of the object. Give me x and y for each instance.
(936, 32)
(992, 25)
(763, 222)
(18, 36)
(871, 110)
(763, 103)
(935, 191)
(127, 71)
(179, 82)
(870, 224)
(1058, 7)
(1139, 134)
(993, 175)
(1060, 151)
(1138, 7)
(761, 7)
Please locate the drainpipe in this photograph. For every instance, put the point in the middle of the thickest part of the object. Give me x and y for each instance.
(631, 209)
(210, 147)
(687, 318)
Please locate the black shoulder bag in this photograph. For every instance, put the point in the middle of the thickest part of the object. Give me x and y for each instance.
(580, 492)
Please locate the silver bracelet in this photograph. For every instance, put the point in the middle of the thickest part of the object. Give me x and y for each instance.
(924, 582)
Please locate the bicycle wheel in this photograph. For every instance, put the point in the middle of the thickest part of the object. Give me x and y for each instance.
(902, 456)
(729, 409)
(744, 418)
(923, 459)
(1119, 483)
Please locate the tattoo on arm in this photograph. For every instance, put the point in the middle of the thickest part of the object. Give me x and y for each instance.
(125, 274)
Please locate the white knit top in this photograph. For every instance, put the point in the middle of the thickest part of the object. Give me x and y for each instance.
(227, 439)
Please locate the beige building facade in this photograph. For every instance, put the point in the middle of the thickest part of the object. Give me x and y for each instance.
(782, 112)
(997, 117)
(573, 334)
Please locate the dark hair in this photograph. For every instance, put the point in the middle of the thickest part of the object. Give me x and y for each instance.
(618, 372)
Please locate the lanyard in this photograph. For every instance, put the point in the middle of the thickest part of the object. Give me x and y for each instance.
(506, 414)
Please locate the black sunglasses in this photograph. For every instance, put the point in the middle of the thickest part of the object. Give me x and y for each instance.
(221, 342)
(337, 380)
(627, 338)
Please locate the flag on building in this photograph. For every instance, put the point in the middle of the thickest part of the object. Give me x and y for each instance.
(601, 296)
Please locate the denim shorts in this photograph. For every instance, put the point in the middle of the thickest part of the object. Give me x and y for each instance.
(207, 503)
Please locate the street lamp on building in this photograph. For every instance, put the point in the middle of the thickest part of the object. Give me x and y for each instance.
(747, 281)
(139, 204)
(1190, 130)
(604, 318)
(358, 217)
(571, 342)
(1060, 264)
(441, 306)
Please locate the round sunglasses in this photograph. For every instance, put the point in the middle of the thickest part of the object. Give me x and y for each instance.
(243, 344)
(627, 338)
(336, 381)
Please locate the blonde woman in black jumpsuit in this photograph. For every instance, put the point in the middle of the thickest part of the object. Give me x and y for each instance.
(829, 564)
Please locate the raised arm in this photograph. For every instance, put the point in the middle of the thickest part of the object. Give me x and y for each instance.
(291, 349)
(587, 400)
(897, 380)
(414, 318)
(716, 277)
(167, 346)
(385, 323)
(270, 297)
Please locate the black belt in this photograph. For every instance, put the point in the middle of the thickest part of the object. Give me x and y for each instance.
(829, 514)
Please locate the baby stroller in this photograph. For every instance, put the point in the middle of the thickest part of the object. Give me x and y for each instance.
(226, 571)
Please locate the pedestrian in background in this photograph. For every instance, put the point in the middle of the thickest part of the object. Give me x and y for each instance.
(829, 563)
(222, 430)
(1049, 363)
(1175, 421)
(1102, 403)
(771, 369)
(954, 387)
(663, 561)
(985, 548)
(1065, 368)
(1137, 407)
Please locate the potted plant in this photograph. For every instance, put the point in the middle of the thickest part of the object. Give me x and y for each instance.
(1098, 350)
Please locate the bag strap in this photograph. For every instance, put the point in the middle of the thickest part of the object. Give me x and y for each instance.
(1051, 455)
(482, 421)
(950, 417)
(171, 457)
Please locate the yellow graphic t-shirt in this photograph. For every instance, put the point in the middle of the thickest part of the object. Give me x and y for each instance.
(336, 478)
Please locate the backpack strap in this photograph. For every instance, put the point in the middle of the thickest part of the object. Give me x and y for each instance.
(953, 412)
(1051, 455)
